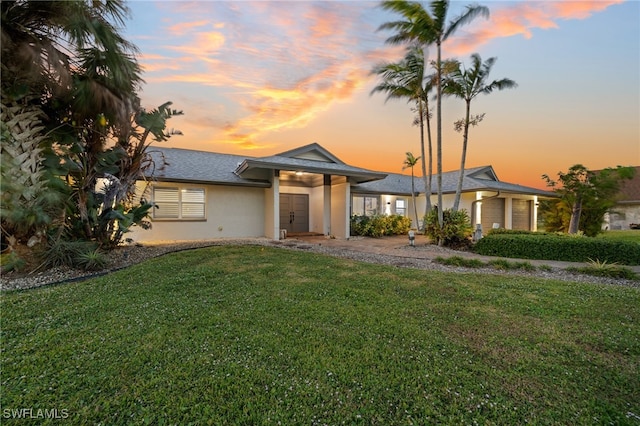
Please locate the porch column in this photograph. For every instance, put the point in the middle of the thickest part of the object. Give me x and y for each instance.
(478, 211)
(508, 213)
(272, 208)
(326, 206)
(534, 214)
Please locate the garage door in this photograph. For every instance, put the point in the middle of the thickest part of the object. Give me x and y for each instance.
(521, 218)
(492, 212)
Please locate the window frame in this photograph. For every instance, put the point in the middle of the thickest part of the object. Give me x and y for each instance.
(364, 198)
(181, 205)
(403, 208)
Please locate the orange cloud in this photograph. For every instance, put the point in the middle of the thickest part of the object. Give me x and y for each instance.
(522, 19)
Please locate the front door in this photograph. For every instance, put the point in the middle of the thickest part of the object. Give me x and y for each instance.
(294, 213)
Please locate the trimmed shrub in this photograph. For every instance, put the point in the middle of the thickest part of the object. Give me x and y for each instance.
(379, 225)
(558, 247)
(456, 231)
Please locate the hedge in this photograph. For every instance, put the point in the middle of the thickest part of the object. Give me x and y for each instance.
(380, 225)
(558, 247)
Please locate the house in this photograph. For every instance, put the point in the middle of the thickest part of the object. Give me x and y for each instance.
(626, 212)
(205, 195)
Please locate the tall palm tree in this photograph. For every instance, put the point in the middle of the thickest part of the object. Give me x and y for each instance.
(406, 80)
(409, 163)
(467, 84)
(428, 28)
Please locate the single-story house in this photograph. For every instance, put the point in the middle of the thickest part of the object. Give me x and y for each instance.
(626, 212)
(206, 195)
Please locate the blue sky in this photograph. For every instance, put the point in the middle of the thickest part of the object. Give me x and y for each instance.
(257, 78)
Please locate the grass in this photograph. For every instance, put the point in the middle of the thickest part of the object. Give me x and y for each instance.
(251, 335)
(631, 235)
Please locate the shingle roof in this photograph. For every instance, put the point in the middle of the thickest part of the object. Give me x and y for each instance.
(184, 165)
(475, 179)
(630, 188)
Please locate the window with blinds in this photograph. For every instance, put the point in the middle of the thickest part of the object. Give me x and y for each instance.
(179, 203)
(364, 206)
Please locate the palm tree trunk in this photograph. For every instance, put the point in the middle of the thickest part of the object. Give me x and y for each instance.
(465, 138)
(413, 198)
(429, 174)
(439, 138)
(425, 178)
(576, 212)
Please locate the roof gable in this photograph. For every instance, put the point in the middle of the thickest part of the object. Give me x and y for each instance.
(313, 152)
(482, 173)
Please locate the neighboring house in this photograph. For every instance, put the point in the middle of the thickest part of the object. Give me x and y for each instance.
(626, 212)
(205, 195)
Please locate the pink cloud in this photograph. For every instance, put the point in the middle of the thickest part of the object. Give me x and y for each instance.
(522, 19)
(185, 27)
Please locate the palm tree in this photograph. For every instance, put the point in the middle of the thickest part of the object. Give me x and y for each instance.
(406, 80)
(409, 162)
(68, 60)
(467, 84)
(428, 28)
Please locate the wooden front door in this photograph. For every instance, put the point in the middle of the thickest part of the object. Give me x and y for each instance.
(294, 213)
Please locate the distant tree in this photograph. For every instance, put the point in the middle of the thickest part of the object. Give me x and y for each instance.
(427, 28)
(409, 163)
(585, 196)
(466, 84)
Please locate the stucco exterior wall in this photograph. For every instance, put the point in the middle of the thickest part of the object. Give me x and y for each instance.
(621, 216)
(229, 212)
(340, 199)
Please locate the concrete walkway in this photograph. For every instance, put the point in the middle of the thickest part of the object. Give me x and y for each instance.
(399, 246)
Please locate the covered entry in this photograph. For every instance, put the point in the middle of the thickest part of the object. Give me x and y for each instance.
(294, 213)
(309, 190)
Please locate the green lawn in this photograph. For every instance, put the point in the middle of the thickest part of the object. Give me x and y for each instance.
(632, 235)
(253, 335)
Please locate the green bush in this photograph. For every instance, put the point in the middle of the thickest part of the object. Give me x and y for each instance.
(604, 269)
(558, 247)
(456, 231)
(12, 262)
(460, 261)
(74, 254)
(380, 225)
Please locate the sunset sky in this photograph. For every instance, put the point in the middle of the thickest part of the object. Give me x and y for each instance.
(258, 78)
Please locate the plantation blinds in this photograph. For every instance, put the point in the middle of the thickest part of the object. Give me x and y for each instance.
(179, 203)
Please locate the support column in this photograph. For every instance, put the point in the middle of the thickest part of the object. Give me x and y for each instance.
(272, 208)
(478, 206)
(326, 206)
(508, 213)
(534, 214)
